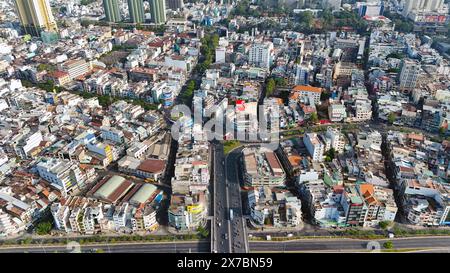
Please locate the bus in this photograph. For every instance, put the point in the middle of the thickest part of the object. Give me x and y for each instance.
(231, 214)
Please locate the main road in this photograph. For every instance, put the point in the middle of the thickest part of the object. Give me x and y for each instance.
(351, 245)
(166, 247)
(229, 228)
(237, 226)
(221, 241)
(428, 244)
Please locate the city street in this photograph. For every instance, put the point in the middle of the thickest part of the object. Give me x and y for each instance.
(166, 247)
(428, 244)
(348, 245)
(238, 226)
(221, 222)
(229, 232)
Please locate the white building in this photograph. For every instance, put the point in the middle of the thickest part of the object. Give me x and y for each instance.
(336, 139)
(6, 225)
(220, 54)
(337, 112)
(260, 54)
(75, 68)
(112, 134)
(421, 6)
(410, 70)
(27, 142)
(121, 216)
(363, 110)
(314, 146)
(65, 175)
(332, 4)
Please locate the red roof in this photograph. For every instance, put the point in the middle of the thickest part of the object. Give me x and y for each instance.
(58, 74)
(152, 166)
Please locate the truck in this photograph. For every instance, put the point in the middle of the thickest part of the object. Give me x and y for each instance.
(231, 214)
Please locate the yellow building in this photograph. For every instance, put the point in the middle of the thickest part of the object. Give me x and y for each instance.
(35, 16)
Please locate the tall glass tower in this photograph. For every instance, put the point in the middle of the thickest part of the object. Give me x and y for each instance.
(158, 11)
(35, 16)
(136, 9)
(112, 10)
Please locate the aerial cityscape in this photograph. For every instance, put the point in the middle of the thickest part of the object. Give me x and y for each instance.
(224, 126)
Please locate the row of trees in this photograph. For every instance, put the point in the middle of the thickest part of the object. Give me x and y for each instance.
(186, 95)
(401, 24)
(207, 50)
(272, 83)
(48, 86)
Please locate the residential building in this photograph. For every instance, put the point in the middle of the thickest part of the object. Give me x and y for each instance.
(262, 168)
(75, 68)
(35, 16)
(136, 10)
(112, 11)
(64, 175)
(158, 11)
(409, 72)
(314, 146)
(309, 93)
(174, 4)
(260, 54)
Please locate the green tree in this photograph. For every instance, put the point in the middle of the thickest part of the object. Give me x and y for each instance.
(280, 82)
(306, 19)
(44, 228)
(442, 131)
(270, 87)
(202, 232)
(388, 245)
(327, 19)
(331, 153)
(314, 118)
(391, 118)
(384, 224)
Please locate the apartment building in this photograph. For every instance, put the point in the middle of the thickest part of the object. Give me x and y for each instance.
(314, 146)
(262, 168)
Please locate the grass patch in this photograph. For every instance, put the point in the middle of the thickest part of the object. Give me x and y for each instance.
(229, 145)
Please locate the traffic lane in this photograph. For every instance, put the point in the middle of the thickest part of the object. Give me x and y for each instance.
(167, 247)
(220, 194)
(235, 202)
(347, 244)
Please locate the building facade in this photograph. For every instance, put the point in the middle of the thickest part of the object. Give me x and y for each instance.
(136, 10)
(112, 12)
(35, 16)
(158, 11)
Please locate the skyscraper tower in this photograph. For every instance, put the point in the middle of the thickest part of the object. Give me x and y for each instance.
(410, 70)
(112, 10)
(158, 11)
(174, 4)
(35, 16)
(136, 9)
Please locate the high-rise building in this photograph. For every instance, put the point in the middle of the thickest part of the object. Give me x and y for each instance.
(314, 146)
(410, 69)
(35, 16)
(136, 10)
(220, 54)
(174, 4)
(332, 4)
(422, 6)
(112, 12)
(260, 54)
(158, 11)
